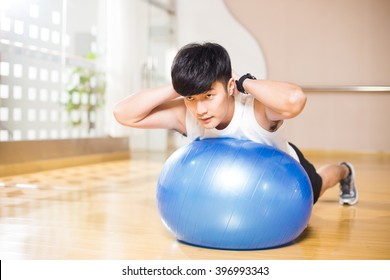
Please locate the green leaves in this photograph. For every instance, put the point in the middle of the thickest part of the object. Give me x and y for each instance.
(86, 90)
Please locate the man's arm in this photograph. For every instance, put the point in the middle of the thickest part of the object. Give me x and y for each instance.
(153, 108)
(276, 101)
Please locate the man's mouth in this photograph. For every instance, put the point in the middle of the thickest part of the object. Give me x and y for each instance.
(206, 120)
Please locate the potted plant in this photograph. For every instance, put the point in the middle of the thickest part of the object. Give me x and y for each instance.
(86, 90)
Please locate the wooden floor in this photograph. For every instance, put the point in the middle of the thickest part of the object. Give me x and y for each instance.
(108, 211)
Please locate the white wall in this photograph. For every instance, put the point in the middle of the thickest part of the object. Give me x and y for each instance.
(122, 74)
(210, 20)
(127, 51)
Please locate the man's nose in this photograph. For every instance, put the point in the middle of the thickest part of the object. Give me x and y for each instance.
(201, 108)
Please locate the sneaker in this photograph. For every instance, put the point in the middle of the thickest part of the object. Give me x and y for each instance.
(348, 190)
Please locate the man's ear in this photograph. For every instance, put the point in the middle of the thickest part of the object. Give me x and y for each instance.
(231, 86)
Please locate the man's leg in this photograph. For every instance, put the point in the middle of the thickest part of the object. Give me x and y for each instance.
(332, 174)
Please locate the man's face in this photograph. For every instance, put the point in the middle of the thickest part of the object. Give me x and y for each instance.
(213, 108)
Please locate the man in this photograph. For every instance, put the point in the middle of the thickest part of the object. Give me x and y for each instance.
(206, 100)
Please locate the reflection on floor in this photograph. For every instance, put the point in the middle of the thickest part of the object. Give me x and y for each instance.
(108, 211)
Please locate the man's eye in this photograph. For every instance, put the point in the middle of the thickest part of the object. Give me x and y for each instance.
(189, 98)
(209, 96)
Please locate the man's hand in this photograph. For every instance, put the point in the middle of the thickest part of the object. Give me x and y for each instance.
(235, 78)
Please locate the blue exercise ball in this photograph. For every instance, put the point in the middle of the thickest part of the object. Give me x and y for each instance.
(233, 194)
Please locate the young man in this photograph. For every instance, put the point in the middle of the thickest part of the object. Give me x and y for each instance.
(205, 100)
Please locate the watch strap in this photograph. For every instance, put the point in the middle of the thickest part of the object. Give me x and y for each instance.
(240, 81)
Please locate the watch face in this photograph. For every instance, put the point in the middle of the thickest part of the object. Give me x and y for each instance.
(249, 76)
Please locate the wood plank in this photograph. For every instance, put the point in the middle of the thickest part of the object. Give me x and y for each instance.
(108, 211)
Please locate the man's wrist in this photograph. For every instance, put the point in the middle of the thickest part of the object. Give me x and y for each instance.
(240, 82)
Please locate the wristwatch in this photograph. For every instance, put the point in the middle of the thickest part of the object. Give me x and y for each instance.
(240, 81)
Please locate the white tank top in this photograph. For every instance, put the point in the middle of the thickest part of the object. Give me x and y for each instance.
(242, 126)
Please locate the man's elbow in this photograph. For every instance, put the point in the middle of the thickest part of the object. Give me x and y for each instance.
(119, 116)
(297, 101)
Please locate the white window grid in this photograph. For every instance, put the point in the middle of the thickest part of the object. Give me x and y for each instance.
(34, 71)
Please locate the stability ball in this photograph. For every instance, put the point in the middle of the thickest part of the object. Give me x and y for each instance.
(233, 194)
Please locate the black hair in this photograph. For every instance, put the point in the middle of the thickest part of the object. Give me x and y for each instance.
(197, 66)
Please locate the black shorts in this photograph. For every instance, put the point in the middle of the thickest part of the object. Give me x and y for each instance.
(315, 178)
